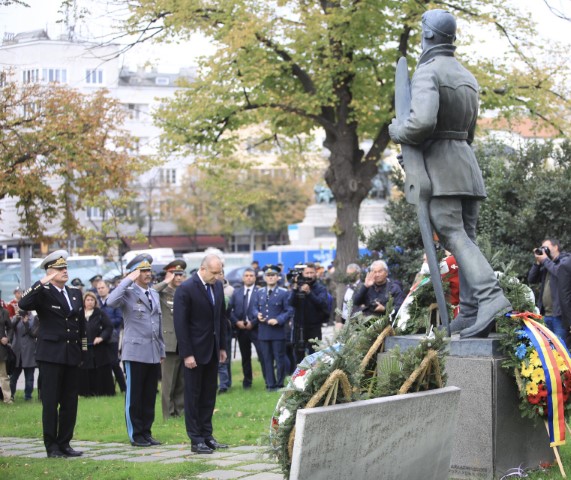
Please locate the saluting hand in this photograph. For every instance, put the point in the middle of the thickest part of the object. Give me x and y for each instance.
(169, 277)
(369, 280)
(134, 275)
(48, 278)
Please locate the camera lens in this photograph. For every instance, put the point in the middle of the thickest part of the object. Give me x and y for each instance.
(538, 251)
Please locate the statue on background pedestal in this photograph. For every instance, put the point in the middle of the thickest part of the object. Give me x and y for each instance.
(323, 194)
(443, 114)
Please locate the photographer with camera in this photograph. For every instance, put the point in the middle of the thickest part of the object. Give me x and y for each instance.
(545, 269)
(377, 289)
(311, 308)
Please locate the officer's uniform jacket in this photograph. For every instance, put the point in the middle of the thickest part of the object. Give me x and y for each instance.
(444, 110)
(166, 294)
(276, 305)
(142, 334)
(61, 332)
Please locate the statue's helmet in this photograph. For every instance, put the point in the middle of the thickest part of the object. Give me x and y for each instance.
(439, 22)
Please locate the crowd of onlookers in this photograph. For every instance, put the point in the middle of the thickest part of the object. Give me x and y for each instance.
(144, 329)
(311, 303)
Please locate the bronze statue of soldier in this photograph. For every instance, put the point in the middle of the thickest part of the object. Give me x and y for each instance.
(442, 121)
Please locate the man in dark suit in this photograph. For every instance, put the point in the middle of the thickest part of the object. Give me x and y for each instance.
(241, 318)
(61, 339)
(201, 335)
(143, 347)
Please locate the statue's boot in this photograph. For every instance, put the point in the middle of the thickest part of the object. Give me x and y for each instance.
(462, 322)
(468, 311)
(487, 313)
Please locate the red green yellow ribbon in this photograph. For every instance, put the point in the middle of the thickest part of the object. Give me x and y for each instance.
(546, 343)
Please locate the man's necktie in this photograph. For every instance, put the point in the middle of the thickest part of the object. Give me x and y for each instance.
(269, 293)
(210, 293)
(246, 299)
(148, 294)
(65, 301)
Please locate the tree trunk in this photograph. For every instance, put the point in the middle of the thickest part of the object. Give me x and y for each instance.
(349, 178)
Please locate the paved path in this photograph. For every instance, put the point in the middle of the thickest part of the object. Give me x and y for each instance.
(244, 462)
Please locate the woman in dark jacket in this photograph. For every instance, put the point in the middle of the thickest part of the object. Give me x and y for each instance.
(97, 379)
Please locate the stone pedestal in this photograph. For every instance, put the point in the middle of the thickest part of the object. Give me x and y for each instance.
(402, 437)
(315, 230)
(491, 436)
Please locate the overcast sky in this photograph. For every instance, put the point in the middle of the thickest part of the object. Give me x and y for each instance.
(169, 58)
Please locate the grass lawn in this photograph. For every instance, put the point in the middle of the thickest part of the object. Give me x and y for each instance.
(241, 417)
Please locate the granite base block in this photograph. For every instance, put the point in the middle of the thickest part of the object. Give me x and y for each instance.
(404, 437)
(491, 436)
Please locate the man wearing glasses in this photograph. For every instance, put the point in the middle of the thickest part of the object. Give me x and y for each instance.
(172, 368)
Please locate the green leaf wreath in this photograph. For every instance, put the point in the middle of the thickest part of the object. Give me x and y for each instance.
(367, 381)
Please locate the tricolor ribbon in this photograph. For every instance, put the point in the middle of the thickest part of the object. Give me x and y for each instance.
(545, 343)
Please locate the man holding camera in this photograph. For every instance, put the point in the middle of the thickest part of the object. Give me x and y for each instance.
(311, 304)
(545, 270)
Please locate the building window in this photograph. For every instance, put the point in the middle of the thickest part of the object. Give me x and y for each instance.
(94, 213)
(94, 76)
(3, 79)
(167, 176)
(136, 111)
(31, 75)
(58, 75)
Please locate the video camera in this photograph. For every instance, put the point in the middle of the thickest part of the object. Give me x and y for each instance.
(295, 275)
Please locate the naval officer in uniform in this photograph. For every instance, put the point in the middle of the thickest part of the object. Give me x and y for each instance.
(270, 312)
(143, 347)
(60, 341)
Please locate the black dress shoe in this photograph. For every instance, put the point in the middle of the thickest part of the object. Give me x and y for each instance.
(56, 454)
(214, 445)
(141, 443)
(201, 448)
(152, 441)
(70, 452)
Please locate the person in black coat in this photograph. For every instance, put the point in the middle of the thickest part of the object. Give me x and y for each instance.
(61, 339)
(5, 337)
(97, 378)
(198, 314)
(564, 286)
(24, 346)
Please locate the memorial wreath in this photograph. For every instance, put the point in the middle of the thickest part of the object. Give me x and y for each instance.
(348, 370)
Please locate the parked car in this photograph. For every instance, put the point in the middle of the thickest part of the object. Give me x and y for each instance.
(9, 280)
(235, 275)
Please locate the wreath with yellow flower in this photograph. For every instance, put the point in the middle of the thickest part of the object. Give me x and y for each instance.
(526, 365)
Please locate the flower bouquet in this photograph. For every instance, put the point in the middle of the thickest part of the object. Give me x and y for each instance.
(541, 365)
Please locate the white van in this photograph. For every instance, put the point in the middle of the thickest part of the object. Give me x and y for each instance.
(230, 260)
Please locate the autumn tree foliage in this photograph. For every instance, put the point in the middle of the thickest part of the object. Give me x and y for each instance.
(60, 152)
(225, 201)
(297, 67)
